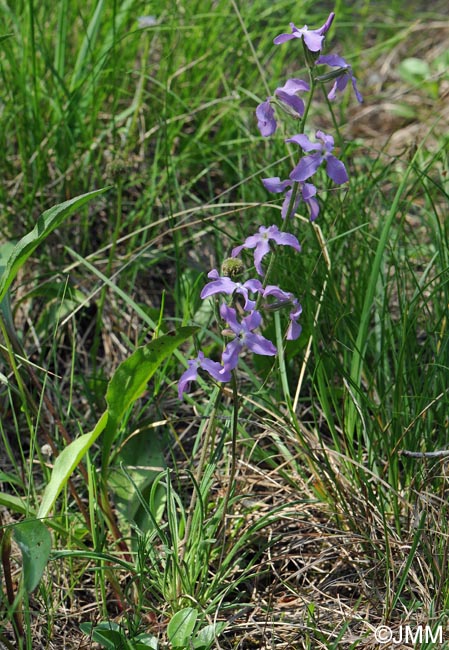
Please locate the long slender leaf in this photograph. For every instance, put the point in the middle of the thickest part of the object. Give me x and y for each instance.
(65, 464)
(45, 224)
(361, 342)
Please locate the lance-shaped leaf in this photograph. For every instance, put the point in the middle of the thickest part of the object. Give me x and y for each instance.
(45, 224)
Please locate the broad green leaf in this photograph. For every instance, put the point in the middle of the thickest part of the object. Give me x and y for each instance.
(146, 641)
(131, 378)
(143, 458)
(127, 384)
(65, 464)
(45, 224)
(108, 635)
(6, 250)
(181, 626)
(414, 70)
(34, 541)
(207, 635)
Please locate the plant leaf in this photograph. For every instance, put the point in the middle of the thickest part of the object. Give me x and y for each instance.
(180, 628)
(34, 542)
(207, 635)
(131, 378)
(45, 224)
(127, 384)
(108, 634)
(65, 463)
(143, 457)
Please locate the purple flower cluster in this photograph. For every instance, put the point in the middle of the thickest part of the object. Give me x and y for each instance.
(242, 328)
(313, 40)
(242, 317)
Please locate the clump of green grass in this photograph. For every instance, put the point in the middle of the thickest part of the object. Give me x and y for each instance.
(335, 528)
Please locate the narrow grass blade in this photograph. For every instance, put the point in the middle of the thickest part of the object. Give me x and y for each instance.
(87, 44)
(362, 336)
(61, 40)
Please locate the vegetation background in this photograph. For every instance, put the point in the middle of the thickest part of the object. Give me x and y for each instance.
(333, 530)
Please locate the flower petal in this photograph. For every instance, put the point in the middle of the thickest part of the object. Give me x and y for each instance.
(336, 170)
(324, 28)
(306, 167)
(287, 239)
(305, 143)
(293, 331)
(286, 204)
(252, 321)
(313, 40)
(260, 345)
(187, 377)
(262, 248)
(230, 356)
(295, 103)
(293, 86)
(266, 121)
(282, 38)
(275, 184)
(215, 370)
(314, 208)
(222, 285)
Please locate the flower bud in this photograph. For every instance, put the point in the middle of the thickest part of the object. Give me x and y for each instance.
(232, 268)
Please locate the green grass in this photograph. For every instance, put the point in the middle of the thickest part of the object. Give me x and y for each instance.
(310, 519)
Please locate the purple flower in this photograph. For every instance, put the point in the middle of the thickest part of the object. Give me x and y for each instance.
(215, 370)
(306, 192)
(287, 95)
(245, 337)
(266, 122)
(308, 165)
(261, 243)
(286, 298)
(341, 76)
(222, 284)
(313, 39)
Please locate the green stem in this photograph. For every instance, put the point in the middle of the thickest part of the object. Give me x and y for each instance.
(234, 433)
(334, 121)
(209, 429)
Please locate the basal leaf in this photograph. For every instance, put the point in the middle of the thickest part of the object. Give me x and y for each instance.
(181, 626)
(127, 384)
(34, 542)
(65, 464)
(131, 378)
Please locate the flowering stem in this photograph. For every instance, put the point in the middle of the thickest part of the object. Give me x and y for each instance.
(295, 187)
(281, 363)
(235, 420)
(334, 120)
(309, 101)
(210, 427)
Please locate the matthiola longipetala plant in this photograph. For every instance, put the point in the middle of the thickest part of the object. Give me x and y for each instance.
(245, 302)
